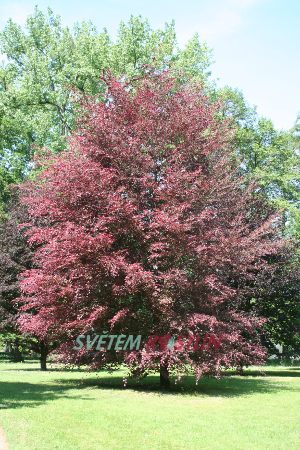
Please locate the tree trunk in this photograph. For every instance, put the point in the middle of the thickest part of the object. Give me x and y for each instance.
(16, 354)
(43, 358)
(164, 377)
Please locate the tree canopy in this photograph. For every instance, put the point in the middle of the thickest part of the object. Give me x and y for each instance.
(144, 226)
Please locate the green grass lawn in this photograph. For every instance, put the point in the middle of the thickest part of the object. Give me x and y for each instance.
(75, 410)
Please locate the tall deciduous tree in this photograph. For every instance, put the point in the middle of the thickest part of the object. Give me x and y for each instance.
(144, 227)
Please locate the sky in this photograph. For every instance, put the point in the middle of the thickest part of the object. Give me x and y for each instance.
(255, 43)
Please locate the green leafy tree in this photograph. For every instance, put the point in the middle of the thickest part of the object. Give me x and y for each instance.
(48, 65)
(16, 257)
(272, 157)
(266, 154)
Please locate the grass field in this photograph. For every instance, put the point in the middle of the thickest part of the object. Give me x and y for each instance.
(75, 410)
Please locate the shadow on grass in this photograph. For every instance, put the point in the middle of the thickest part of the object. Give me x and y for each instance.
(23, 394)
(20, 394)
(229, 386)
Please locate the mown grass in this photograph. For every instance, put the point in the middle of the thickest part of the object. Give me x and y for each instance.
(75, 410)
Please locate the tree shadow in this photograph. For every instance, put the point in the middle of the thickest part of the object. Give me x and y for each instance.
(229, 386)
(21, 394)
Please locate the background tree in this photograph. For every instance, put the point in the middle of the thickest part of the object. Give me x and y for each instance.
(277, 298)
(272, 159)
(268, 155)
(15, 257)
(46, 62)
